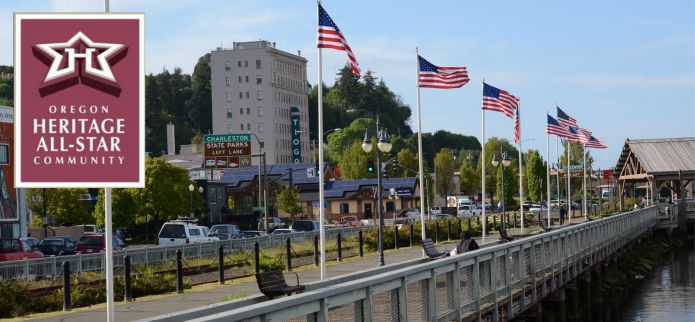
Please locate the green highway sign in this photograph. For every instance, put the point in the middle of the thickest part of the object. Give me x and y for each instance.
(210, 138)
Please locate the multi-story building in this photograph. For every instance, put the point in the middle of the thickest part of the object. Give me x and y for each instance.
(254, 87)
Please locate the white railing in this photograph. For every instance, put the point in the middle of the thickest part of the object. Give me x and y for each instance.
(52, 266)
(498, 282)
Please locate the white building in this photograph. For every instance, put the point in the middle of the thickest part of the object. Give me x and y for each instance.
(254, 85)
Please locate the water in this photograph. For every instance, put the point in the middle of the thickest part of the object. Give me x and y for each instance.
(669, 295)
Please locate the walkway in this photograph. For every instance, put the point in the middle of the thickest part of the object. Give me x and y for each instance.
(213, 293)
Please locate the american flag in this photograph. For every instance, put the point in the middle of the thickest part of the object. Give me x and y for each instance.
(331, 37)
(495, 99)
(594, 143)
(565, 119)
(517, 127)
(584, 135)
(554, 127)
(432, 76)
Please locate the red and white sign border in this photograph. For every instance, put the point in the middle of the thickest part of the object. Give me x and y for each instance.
(18, 17)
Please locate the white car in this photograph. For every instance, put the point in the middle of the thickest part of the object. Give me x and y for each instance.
(537, 208)
(182, 232)
(469, 210)
(436, 210)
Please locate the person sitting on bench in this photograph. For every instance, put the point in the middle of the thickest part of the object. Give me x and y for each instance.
(466, 244)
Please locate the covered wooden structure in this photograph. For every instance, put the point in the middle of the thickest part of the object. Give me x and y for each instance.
(663, 167)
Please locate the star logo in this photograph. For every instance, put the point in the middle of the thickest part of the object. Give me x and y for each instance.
(80, 60)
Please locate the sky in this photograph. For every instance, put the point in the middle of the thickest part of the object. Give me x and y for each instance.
(622, 69)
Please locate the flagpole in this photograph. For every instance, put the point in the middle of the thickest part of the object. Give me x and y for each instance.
(584, 181)
(521, 166)
(419, 146)
(482, 159)
(559, 164)
(569, 191)
(322, 214)
(547, 172)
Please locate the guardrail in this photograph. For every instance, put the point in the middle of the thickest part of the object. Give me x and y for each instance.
(497, 282)
(52, 266)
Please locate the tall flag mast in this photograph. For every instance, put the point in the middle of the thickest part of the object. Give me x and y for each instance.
(329, 36)
(431, 76)
(566, 120)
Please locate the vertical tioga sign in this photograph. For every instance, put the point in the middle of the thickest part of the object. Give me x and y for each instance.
(79, 96)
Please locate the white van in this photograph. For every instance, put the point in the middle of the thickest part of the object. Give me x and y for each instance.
(181, 232)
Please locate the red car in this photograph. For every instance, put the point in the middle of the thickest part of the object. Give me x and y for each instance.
(350, 221)
(15, 249)
(95, 244)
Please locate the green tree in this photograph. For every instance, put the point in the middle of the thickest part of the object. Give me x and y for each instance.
(200, 101)
(576, 158)
(339, 141)
(166, 195)
(124, 208)
(353, 164)
(470, 179)
(535, 175)
(287, 200)
(492, 147)
(511, 185)
(408, 164)
(444, 172)
(68, 205)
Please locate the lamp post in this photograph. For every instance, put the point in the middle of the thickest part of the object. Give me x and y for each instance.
(505, 163)
(190, 194)
(262, 183)
(200, 190)
(385, 146)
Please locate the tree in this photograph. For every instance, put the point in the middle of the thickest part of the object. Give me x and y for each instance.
(408, 164)
(511, 184)
(200, 101)
(492, 147)
(576, 158)
(470, 179)
(343, 139)
(444, 172)
(166, 194)
(535, 175)
(287, 200)
(68, 205)
(353, 164)
(124, 209)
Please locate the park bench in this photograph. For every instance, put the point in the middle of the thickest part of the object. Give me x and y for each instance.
(273, 284)
(504, 236)
(431, 250)
(543, 223)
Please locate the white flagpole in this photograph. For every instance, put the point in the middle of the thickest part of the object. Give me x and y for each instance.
(108, 233)
(569, 191)
(482, 159)
(322, 211)
(521, 181)
(547, 172)
(557, 174)
(419, 146)
(584, 182)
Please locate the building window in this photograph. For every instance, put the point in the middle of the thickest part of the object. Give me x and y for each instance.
(247, 95)
(4, 154)
(344, 208)
(230, 128)
(260, 127)
(390, 206)
(260, 112)
(248, 110)
(259, 79)
(227, 81)
(259, 95)
(241, 110)
(229, 113)
(239, 79)
(248, 126)
(242, 126)
(239, 64)
(247, 78)
(246, 63)
(258, 64)
(241, 95)
(229, 97)
(227, 65)
(213, 195)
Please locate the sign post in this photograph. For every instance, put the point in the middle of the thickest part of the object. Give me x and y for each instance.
(79, 106)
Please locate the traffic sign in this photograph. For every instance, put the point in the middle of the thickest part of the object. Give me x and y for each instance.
(227, 137)
(227, 150)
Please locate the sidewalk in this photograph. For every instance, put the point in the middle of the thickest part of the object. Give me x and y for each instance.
(213, 293)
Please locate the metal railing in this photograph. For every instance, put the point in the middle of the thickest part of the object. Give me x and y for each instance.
(498, 282)
(52, 266)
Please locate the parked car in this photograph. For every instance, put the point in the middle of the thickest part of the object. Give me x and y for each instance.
(226, 232)
(537, 208)
(95, 244)
(350, 221)
(180, 232)
(436, 210)
(412, 214)
(305, 225)
(92, 230)
(281, 231)
(15, 249)
(273, 223)
(56, 246)
(441, 216)
(253, 233)
(469, 210)
(206, 234)
(124, 233)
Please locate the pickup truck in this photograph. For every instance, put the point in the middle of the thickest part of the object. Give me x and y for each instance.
(15, 249)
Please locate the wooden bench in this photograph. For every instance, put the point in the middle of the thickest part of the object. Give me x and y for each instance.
(431, 250)
(466, 245)
(504, 236)
(273, 284)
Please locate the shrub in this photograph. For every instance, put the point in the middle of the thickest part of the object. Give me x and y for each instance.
(14, 297)
(269, 264)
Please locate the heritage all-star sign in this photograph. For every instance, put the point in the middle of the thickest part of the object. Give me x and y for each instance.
(79, 99)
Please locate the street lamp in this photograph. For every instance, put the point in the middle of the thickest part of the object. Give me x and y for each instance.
(383, 145)
(505, 163)
(190, 190)
(262, 180)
